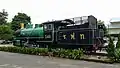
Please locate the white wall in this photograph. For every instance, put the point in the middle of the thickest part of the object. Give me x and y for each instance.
(114, 30)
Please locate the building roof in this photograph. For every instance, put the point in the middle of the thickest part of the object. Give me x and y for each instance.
(114, 25)
(117, 19)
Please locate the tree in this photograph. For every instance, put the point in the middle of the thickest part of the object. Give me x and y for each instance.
(118, 43)
(100, 22)
(3, 17)
(20, 18)
(6, 32)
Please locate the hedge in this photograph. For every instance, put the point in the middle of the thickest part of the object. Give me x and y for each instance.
(63, 53)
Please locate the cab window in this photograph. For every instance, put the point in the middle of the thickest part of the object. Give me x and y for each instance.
(48, 27)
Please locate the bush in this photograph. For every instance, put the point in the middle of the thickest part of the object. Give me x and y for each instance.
(118, 43)
(117, 55)
(114, 52)
(68, 53)
(34, 51)
(64, 53)
(111, 49)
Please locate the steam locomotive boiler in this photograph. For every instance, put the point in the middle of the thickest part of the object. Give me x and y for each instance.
(78, 32)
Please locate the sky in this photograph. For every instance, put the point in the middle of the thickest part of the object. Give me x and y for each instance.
(44, 10)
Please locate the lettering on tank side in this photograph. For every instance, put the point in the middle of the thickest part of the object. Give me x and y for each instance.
(72, 36)
(64, 36)
(82, 36)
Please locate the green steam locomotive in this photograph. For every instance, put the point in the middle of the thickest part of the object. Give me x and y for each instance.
(78, 32)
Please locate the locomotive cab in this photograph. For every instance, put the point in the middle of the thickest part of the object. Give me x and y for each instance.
(50, 30)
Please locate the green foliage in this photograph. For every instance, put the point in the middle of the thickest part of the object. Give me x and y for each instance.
(20, 18)
(111, 48)
(6, 32)
(118, 43)
(64, 53)
(114, 53)
(100, 22)
(68, 53)
(3, 17)
(117, 55)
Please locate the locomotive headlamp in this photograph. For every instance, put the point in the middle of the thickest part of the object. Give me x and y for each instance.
(100, 26)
